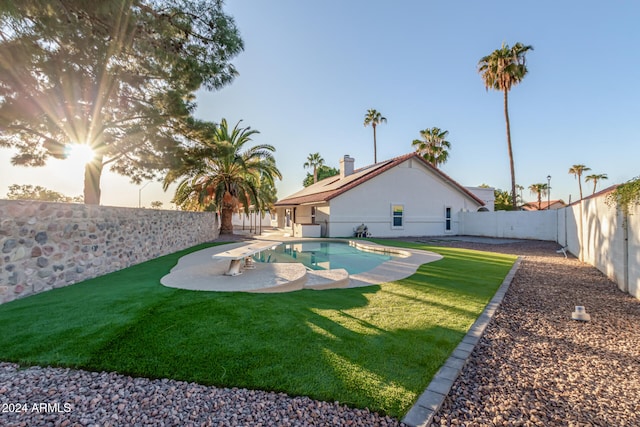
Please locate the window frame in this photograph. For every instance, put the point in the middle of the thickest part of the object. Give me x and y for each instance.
(394, 216)
(448, 219)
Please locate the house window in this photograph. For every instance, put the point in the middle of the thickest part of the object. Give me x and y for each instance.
(447, 219)
(313, 214)
(397, 216)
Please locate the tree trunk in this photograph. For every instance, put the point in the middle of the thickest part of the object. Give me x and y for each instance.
(375, 150)
(92, 175)
(226, 225)
(511, 166)
(226, 214)
(580, 184)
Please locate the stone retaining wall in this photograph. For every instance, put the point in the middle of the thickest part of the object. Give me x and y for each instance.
(49, 245)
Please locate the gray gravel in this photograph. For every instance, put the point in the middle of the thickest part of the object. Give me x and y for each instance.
(108, 399)
(533, 367)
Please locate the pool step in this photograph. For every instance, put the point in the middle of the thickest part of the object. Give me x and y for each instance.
(285, 277)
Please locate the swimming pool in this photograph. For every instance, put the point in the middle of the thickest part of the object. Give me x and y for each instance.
(325, 256)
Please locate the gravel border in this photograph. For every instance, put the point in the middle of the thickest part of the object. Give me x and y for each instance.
(533, 366)
(432, 399)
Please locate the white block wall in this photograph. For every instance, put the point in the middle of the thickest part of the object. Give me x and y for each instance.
(537, 225)
(634, 253)
(601, 240)
(592, 230)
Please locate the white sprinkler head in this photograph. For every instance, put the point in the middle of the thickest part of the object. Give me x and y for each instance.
(580, 314)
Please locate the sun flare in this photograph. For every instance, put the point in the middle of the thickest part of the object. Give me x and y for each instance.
(80, 154)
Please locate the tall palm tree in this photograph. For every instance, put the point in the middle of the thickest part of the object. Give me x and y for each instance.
(540, 190)
(501, 70)
(374, 118)
(433, 146)
(595, 178)
(314, 160)
(577, 171)
(217, 172)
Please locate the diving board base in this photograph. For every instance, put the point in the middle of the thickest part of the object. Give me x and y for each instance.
(234, 268)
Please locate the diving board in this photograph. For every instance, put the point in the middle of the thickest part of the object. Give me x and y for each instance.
(237, 255)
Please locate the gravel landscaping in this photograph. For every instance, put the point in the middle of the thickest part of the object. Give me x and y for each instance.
(533, 366)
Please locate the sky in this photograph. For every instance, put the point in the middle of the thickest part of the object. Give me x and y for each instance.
(311, 70)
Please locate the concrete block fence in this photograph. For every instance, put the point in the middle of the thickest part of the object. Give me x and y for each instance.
(49, 245)
(593, 231)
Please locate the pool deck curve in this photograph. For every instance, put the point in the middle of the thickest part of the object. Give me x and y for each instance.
(198, 271)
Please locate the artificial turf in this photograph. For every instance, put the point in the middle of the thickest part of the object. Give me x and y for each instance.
(375, 346)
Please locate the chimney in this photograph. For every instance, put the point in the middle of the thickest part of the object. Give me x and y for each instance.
(346, 166)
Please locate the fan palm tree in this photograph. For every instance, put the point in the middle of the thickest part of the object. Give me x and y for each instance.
(502, 200)
(540, 190)
(520, 188)
(501, 70)
(374, 118)
(433, 146)
(218, 174)
(577, 171)
(595, 178)
(314, 161)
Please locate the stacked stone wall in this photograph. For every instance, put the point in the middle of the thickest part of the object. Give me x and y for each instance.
(49, 245)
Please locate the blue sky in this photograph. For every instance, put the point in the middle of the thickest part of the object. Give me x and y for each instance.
(310, 71)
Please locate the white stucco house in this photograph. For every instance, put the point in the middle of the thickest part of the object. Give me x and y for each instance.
(404, 196)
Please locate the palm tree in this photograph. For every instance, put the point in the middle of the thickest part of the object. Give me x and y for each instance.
(540, 190)
(502, 200)
(501, 70)
(433, 146)
(520, 188)
(577, 170)
(595, 178)
(218, 174)
(374, 118)
(314, 161)
(267, 196)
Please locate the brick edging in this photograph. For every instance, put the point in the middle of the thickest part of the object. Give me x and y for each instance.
(429, 403)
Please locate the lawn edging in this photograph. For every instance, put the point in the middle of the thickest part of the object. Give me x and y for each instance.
(430, 401)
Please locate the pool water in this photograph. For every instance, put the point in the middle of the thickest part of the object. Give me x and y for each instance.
(324, 256)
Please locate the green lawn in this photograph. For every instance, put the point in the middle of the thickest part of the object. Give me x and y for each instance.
(374, 347)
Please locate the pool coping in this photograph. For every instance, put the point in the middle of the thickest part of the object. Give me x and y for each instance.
(431, 400)
(199, 272)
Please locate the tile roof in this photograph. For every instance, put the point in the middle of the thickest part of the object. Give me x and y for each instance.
(533, 206)
(328, 188)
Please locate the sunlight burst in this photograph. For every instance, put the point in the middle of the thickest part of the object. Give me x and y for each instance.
(80, 154)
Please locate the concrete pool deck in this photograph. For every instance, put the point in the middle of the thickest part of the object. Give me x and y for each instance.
(198, 271)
